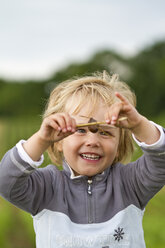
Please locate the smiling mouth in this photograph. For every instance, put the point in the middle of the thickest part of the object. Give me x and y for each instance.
(92, 157)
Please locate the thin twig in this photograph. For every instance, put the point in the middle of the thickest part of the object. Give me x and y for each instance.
(99, 123)
(91, 124)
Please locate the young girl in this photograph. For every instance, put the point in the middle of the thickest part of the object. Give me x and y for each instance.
(96, 201)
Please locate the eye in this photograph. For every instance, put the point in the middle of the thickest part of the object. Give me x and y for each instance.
(81, 130)
(105, 133)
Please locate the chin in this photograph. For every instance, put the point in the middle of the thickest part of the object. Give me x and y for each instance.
(90, 173)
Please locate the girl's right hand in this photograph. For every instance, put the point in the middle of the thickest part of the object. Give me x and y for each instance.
(56, 127)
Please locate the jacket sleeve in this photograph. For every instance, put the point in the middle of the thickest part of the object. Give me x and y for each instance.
(146, 176)
(24, 186)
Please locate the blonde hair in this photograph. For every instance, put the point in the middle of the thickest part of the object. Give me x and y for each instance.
(90, 88)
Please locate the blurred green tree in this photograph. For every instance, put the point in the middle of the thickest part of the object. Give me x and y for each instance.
(148, 79)
(145, 73)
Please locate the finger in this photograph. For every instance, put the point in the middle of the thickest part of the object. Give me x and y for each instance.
(127, 106)
(121, 97)
(70, 122)
(50, 123)
(66, 122)
(53, 124)
(58, 120)
(61, 135)
(112, 115)
(73, 125)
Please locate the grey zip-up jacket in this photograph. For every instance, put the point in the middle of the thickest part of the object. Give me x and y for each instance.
(103, 212)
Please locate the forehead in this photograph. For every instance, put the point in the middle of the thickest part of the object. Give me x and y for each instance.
(87, 108)
(87, 102)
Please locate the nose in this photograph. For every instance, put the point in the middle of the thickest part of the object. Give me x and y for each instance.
(92, 139)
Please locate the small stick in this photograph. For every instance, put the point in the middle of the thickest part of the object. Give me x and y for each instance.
(122, 118)
(91, 124)
(99, 123)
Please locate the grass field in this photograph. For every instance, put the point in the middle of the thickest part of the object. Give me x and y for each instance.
(16, 228)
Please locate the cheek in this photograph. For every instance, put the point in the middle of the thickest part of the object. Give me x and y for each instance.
(69, 144)
(112, 147)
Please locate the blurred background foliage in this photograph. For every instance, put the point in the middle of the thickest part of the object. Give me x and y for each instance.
(144, 72)
(21, 107)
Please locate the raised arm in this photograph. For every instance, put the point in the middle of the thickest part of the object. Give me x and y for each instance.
(139, 125)
(53, 128)
(20, 182)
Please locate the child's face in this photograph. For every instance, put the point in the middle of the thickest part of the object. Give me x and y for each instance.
(89, 153)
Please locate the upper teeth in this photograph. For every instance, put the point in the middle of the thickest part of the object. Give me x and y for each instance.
(90, 156)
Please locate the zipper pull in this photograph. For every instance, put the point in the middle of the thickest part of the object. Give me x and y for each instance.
(89, 190)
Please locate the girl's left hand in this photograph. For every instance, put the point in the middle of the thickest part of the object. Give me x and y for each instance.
(123, 108)
(139, 125)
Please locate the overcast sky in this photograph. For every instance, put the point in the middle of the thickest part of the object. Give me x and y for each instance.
(37, 37)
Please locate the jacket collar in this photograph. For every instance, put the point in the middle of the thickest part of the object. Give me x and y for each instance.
(70, 173)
